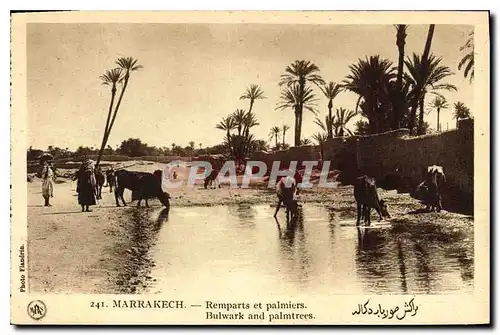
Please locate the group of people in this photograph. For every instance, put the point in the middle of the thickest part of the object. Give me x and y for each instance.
(85, 178)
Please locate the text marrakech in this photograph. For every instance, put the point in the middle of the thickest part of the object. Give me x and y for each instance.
(148, 304)
(224, 316)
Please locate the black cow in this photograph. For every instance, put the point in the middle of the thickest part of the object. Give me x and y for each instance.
(144, 185)
(99, 179)
(286, 190)
(365, 193)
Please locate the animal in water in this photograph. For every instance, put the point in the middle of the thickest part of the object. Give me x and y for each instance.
(144, 186)
(286, 190)
(111, 179)
(212, 179)
(366, 196)
(99, 179)
(431, 188)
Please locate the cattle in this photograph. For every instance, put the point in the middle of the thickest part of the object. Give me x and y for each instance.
(365, 193)
(286, 190)
(431, 188)
(111, 179)
(144, 185)
(212, 178)
(99, 179)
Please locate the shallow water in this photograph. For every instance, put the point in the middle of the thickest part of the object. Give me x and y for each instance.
(243, 249)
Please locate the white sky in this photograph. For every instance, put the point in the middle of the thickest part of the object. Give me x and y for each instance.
(194, 74)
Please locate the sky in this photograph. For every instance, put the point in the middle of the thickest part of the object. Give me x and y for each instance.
(194, 74)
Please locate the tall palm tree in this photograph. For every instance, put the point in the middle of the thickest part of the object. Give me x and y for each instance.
(296, 77)
(423, 70)
(399, 98)
(331, 90)
(297, 99)
(110, 78)
(249, 121)
(227, 124)
(400, 42)
(239, 116)
(461, 111)
(127, 64)
(342, 118)
(327, 125)
(252, 93)
(427, 81)
(321, 139)
(285, 128)
(468, 59)
(439, 103)
(275, 133)
(369, 78)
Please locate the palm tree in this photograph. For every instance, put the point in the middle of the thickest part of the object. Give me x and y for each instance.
(305, 141)
(461, 111)
(249, 121)
(275, 133)
(173, 148)
(417, 94)
(227, 124)
(293, 97)
(424, 82)
(285, 128)
(439, 103)
(327, 126)
(400, 42)
(343, 116)
(468, 59)
(110, 78)
(370, 79)
(239, 116)
(253, 92)
(296, 77)
(127, 64)
(331, 90)
(362, 127)
(400, 96)
(321, 139)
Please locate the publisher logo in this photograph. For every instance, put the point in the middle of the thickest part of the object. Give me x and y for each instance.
(37, 309)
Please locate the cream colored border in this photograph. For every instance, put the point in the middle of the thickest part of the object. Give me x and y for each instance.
(434, 309)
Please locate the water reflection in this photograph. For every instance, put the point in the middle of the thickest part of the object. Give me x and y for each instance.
(246, 247)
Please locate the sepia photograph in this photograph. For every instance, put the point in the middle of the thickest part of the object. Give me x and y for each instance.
(211, 165)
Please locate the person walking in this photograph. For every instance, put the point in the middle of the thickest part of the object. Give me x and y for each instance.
(48, 176)
(86, 185)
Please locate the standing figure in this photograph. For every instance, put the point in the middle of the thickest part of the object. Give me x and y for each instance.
(48, 176)
(111, 179)
(86, 185)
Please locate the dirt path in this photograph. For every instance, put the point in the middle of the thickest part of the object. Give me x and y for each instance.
(107, 250)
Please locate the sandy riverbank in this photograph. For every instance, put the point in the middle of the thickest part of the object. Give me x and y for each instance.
(107, 250)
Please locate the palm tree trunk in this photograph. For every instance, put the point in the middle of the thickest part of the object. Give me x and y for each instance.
(330, 130)
(284, 132)
(276, 139)
(297, 129)
(400, 41)
(103, 144)
(438, 125)
(421, 116)
(423, 70)
(127, 76)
